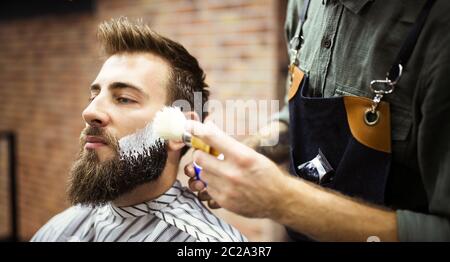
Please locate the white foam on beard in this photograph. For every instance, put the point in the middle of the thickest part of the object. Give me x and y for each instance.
(134, 144)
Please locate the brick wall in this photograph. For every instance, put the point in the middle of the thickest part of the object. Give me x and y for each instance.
(48, 62)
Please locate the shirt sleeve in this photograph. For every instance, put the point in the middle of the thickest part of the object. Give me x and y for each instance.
(422, 227)
(433, 140)
(283, 114)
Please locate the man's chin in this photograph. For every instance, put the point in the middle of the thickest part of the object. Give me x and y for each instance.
(103, 153)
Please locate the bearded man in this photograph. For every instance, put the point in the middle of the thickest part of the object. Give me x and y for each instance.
(136, 196)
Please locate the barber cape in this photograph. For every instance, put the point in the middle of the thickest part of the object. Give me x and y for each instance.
(176, 216)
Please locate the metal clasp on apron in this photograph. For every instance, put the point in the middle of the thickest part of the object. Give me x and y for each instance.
(380, 88)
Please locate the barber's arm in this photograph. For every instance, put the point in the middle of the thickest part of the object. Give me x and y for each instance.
(249, 184)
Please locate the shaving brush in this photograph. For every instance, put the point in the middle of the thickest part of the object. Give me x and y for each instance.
(169, 124)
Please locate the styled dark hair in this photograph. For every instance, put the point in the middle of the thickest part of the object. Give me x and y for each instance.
(186, 76)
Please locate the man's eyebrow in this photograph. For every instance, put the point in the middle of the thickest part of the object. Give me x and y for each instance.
(120, 85)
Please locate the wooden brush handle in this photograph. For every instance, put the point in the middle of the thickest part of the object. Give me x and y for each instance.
(197, 143)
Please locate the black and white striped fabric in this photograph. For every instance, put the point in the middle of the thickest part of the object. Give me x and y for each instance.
(176, 216)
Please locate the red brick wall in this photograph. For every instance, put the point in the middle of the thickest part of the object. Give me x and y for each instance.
(48, 62)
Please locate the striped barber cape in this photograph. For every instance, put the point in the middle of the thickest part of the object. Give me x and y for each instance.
(176, 216)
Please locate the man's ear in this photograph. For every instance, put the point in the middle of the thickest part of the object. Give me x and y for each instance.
(191, 115)
(175, 146)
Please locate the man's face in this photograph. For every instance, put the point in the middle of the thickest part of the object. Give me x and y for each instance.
(125, 96)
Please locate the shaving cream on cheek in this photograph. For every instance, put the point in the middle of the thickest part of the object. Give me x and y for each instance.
(136, 143)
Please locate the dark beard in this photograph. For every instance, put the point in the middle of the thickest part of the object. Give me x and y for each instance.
(95, 183)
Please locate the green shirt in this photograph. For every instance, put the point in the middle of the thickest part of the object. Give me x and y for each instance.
(349, 43)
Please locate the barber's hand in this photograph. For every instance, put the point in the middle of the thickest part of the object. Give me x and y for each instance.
(245, 182)
(198, 186)
(272, 141)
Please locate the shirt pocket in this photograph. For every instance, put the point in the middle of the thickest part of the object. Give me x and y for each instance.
(351, 90)
(348, 91)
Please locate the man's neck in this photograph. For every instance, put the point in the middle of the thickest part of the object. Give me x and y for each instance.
(144, 193)
(153, 189)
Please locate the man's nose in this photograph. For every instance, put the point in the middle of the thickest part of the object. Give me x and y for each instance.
(95, 113)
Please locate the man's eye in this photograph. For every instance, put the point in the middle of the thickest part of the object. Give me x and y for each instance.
(123, 100)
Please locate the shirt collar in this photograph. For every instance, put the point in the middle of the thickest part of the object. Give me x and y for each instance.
(355, 5)
(148, 207)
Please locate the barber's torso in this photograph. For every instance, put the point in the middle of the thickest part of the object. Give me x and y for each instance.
(346, 45)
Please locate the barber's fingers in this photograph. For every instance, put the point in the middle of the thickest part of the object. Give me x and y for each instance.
(204, 195)
(209, 163)
(211, 173)
(213, 204)
(196, 185)
(210, 194)
(207, 175)
(216, 138)
(189, 170)
(203, 191)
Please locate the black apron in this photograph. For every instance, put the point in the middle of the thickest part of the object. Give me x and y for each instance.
(344, 143)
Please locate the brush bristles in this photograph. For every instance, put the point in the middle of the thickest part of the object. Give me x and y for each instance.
(169, 124)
